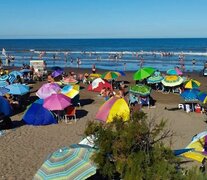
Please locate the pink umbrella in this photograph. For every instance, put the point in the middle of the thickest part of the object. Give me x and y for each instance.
(56, 102)
(48, 89)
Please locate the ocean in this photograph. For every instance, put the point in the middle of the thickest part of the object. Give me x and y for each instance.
(109, 54)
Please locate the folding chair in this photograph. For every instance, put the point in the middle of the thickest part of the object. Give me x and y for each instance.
(70, 112)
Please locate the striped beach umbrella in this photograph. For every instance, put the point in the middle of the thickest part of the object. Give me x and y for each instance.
(9, 77)
(172, 81)
(110, 75)
(192, 84)
(16, 73)
(4, 77)
(143, 73)
(114, 107)
(68, 163)
(202, 96)
(154, 79)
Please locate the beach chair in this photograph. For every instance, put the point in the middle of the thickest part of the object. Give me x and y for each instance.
(132, 99)
(70, 112)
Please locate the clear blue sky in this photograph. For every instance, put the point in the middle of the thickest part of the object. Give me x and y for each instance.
(103, 18)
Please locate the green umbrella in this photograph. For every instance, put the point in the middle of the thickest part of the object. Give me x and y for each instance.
(143, 73)
(140, 89)
(68, 163)
(172, 81)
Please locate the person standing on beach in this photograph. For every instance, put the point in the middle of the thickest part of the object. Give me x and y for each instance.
(93, 69)
(193, 63)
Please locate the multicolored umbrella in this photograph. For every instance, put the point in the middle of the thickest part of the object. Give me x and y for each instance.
(140, 89)
(48, 89)
(17, 89)
(96, 83)
(192, 84)
(70, 91)
(3, 91)
(5, 107)
(154, 79)
(110, 75)
(68, 163)
(175, 71)
(172, 80)
(190, 94)
(66, 89)
(57, 102)
(122, 73)
(198, 146)
(202, 96)
(114, 107)
(143, 73)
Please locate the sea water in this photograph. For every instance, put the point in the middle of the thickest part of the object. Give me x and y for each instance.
(109, 54)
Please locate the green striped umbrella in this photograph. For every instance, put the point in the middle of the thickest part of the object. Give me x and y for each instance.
(68, 163)
(143, 73)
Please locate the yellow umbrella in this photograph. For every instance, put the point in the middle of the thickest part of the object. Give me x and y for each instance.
(192, 84)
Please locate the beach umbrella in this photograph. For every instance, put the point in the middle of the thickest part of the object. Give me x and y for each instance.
(3, 83)
(17, 89)
(202, 96)
(25, 70)
(69, 80)
(4, 77)
(122, 73)
(154, 79)
(110, 75)
(57, 73)
(8, 77)
(172, 80)
(71, 162)
(114, 107)
(57, 102)
(198, 146)
(95, 75)
(16, 73)
(98, 84)
(142, 90)
(48, 89)
(5, 107)
(192, 84)
(66, 89)
(37, 115)
(175, 71)
(190, 94)
(143, 73)
(3, 91)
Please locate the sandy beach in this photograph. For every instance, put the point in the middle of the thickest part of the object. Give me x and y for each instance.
(24, 148)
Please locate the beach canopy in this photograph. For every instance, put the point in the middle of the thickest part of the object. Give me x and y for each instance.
(71, 162)
(192, 84)
(37, 115)
(142, 90)
(172, 80)
(110, 75)
(5, 107)
(154, 79)
(98, 84)
(198, 146)
(3, 91)
(202, 96)
(114, 107)
(57, 102)
(175, 71)
(17, 89)
(143, 73)
(190, 94)
(48, 89)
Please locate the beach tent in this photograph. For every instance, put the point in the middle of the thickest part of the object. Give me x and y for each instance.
(98, 84)
(37, 115)
(48, 89)
(199, 147)
(5, 107)
(71, 162)
(114, 107)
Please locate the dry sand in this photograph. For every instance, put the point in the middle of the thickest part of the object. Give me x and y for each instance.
(24, 149)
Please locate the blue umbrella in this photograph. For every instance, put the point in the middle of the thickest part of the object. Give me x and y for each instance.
(16, 73)
(190, 94)
(154, 79)
(3, 83)
(18, 89)
(56, 68)
(4, 77)
(3, 91)
(56, 73)
(12, 78)
(5, 107)
(37, 115)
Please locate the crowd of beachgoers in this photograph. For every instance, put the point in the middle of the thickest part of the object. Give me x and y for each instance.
(147, 89)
